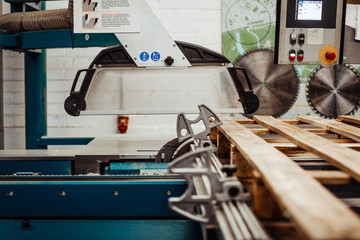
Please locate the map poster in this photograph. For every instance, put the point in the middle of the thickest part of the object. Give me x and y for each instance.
(247, 25)
(112, 16)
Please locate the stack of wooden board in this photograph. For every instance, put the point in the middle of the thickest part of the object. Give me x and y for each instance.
(303, 174)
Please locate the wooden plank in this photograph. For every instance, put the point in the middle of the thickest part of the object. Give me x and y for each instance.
(315, 210)
(351, 119)
(267, 131)
(334, 126)
(250, 121)
(344, 158)
(353, 2)
(283, 146)
(331, 177)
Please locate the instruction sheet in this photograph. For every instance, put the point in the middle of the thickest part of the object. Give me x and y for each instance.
(106, 16)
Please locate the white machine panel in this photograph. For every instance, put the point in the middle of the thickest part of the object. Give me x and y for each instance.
(309, 32)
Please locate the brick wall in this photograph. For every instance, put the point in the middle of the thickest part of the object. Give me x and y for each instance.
(196, 21)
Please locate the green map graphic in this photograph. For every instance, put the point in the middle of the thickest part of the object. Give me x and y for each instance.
(249, 25)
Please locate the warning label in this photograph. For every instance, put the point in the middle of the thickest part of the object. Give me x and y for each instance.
(98, 16)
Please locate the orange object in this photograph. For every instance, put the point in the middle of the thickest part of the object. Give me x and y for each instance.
(123, 123)
(328, 55)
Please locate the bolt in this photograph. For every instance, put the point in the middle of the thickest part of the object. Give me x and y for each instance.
(233, 192)
(87, 37)
(10, 194)
(26, 223)
(115, 193)
(286, 214)
(62, 193)
(212, 119)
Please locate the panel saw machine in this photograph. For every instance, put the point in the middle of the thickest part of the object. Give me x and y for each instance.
(120, 187)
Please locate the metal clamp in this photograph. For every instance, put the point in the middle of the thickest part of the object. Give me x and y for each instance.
(184, 126)
(207, 186)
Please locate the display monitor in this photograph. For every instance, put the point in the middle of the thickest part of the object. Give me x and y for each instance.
(309, 10)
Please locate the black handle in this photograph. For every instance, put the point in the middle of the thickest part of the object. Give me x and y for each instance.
(248, 99)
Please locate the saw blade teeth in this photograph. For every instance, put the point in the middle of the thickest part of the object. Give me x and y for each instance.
(331, 108)
(307, 89)
(259, 62)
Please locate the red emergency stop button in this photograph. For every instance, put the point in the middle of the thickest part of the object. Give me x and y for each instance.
(292, 55)
(330, 55)
(300, 55)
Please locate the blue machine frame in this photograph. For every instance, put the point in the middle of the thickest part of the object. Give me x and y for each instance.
(100, 229)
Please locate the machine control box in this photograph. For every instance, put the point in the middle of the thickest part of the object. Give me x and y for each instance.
(309, 32)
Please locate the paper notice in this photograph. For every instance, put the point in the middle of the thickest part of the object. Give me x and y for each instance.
(100, 16)
(315, 36)
(357, 30)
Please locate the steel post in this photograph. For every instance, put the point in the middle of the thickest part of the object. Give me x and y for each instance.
(35, 98)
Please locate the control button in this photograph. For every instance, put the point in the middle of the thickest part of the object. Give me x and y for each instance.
(293, 38)
(292, 55)
(301, 38)
(330, 55)
(300, 55)
(327, 53)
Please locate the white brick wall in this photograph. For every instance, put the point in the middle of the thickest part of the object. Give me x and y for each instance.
(195, 21)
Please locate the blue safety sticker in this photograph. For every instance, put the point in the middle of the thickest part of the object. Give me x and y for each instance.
(144, 56)
(155, 56)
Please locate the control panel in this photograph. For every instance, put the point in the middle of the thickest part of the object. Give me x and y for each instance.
(309, 32)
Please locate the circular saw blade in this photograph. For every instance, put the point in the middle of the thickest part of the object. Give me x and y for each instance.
(276, 86)
(334, 91)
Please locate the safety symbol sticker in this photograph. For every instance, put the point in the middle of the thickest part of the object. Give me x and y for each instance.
(155, 56)
(144, 56)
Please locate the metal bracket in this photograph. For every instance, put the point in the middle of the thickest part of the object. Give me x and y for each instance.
(206, 187)
(186, 134)
(184, 126)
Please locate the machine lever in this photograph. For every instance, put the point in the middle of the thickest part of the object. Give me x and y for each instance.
(248, 99)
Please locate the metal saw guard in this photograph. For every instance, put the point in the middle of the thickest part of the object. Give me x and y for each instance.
(118, 57)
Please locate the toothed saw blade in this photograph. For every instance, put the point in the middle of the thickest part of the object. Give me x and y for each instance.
(334, 91)
(276, 86)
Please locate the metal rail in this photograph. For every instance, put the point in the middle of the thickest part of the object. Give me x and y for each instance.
(215, 205)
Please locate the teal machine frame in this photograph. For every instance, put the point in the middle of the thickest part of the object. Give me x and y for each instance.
(34, 45)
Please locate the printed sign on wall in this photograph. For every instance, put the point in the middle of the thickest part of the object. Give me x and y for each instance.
(101, 16)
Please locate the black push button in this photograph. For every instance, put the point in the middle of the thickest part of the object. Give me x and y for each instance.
(301, 38)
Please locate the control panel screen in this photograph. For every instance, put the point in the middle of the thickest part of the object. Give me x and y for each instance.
(311, 13)
(309, 10)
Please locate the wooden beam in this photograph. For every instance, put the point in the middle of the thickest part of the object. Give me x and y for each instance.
(267, 131)
(353, 2)
(351, 119)
(315, 210)
(250, 121)
(334, 126)
(331, 177)
(344, 158)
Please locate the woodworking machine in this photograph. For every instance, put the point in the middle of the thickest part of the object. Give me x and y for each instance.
(164, 185)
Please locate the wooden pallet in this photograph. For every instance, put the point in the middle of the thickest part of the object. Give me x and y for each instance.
(288, 198)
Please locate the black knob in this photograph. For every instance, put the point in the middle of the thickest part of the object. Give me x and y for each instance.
(229, 169)
(169, 60)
